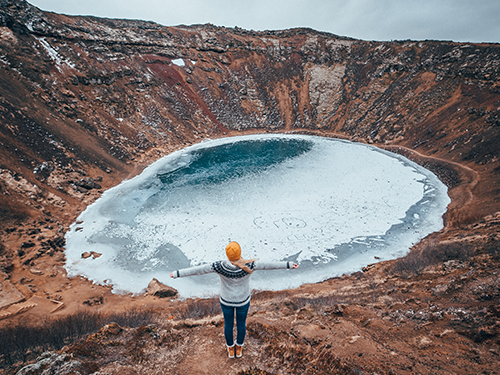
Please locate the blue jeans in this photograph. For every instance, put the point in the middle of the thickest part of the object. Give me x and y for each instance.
(241, 323)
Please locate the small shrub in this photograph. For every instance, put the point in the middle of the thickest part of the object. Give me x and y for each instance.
(199, 308)
(170, 339)
(290, 351)
(266, 333)
(258, 295)
(25, 342)
(321, 302)
(460, 219)
(86, 349)
(431, 254)
(254, 371)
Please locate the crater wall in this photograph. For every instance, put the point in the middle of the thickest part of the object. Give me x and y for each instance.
(86, 102)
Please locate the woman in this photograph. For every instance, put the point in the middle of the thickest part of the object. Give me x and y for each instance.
(235, 290)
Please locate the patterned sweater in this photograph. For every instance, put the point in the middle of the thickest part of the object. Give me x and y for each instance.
(234, 282)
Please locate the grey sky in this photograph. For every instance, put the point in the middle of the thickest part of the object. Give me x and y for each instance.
(457, 20)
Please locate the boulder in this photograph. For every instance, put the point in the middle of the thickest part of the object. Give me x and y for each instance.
(157, 289)
(87, 183)
(98, 300)
(92, 254)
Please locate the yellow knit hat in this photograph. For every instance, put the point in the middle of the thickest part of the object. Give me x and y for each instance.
(233, 251)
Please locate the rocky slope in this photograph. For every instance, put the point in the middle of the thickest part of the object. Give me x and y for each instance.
(86, 102)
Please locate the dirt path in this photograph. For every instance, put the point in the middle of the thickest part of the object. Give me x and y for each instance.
(463, 201)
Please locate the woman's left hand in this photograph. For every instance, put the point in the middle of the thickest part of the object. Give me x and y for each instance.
(295, 266)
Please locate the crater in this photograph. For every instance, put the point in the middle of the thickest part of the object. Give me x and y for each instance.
(332, 205)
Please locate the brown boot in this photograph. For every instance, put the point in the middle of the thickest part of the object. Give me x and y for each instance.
(239, 351)
(230, 351)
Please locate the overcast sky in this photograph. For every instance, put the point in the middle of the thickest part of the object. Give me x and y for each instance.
(457, 20)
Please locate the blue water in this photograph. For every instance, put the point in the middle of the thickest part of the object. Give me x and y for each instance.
(215, 165)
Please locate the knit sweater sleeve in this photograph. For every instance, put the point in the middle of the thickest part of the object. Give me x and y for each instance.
(191, 271)
(271, 265)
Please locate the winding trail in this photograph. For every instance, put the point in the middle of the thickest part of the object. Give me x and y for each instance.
(461, 195)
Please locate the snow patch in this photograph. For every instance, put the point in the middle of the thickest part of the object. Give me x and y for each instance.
(54, 55)
(179, 62)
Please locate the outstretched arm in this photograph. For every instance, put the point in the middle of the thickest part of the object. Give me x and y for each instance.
(198, 270)
(274, 265)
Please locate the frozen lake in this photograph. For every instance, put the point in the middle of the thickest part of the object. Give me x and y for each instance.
(331, 205)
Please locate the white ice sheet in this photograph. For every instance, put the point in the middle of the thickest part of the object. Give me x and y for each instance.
(333, 209)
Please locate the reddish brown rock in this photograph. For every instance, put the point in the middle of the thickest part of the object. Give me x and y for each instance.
(157, 289)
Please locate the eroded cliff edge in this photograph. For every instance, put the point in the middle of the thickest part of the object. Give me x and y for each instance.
(86, 102)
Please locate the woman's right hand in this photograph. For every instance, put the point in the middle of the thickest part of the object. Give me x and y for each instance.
(171, 275)
(295, 266)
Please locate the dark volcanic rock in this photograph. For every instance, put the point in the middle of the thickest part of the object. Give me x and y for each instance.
(88, 183)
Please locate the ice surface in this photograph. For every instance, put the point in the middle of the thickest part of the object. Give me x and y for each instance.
(331, 205)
